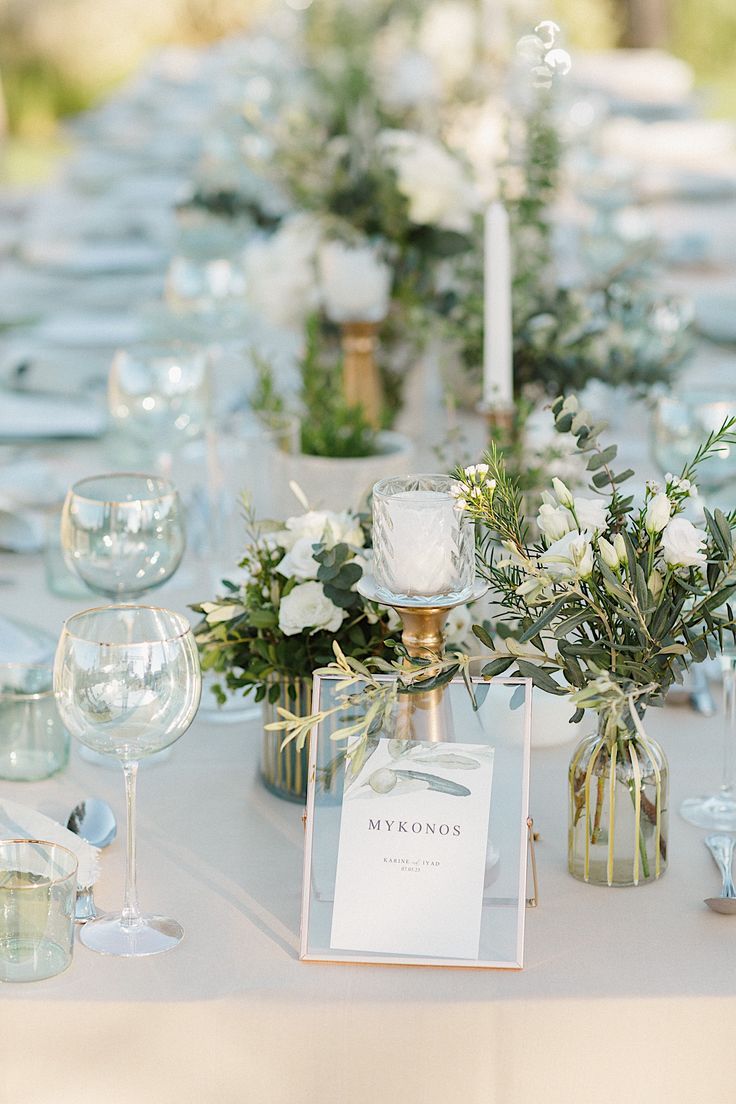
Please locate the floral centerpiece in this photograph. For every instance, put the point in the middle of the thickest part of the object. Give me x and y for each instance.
(610, 607)
(616, 600)
(296, 598)
(271, 629)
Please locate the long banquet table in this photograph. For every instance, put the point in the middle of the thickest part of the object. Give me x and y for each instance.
(627, 995)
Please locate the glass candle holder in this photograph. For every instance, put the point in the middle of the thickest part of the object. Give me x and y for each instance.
(423, 544)
(38, 889)
(33, 741)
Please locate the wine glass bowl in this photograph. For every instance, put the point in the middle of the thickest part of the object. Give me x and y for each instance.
(128, 683)
(123, 533)
(160, 395)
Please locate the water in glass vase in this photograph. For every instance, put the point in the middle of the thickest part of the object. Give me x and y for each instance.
(618, 806)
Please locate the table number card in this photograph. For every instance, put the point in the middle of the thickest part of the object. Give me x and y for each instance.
(412, 851)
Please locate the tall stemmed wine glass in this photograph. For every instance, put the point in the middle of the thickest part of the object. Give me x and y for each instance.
(128, 684)
(123, 533)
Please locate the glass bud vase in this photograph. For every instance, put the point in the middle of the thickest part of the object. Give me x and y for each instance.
(284, 772)
(618, 784)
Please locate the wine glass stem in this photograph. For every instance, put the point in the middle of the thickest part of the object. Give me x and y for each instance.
(131, 913)
(728, 663)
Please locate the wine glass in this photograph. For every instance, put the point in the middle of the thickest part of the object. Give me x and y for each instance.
(123, 533)
(159, 397)
(128, 684)
(679, 426)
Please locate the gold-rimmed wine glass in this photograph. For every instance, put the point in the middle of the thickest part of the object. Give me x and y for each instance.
(128, 684)
(123, 533)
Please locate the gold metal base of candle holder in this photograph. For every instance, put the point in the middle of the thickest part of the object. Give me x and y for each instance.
(361, 378)
(423, 632)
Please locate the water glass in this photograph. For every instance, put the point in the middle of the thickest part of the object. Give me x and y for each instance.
(38, 889)
(33, 741)
(123, 533)
(423, 546)
(159, 395)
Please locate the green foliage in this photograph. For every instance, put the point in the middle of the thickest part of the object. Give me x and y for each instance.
(239, 635)
(614, 631)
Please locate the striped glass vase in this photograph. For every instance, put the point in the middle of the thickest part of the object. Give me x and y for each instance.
(618, 805)
(284, 773)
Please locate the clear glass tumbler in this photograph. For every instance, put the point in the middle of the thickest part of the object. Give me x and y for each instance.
(33, 741)
(423, 544)
(38, 889)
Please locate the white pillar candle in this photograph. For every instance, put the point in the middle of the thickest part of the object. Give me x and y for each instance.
(421, 543)
(498, 378)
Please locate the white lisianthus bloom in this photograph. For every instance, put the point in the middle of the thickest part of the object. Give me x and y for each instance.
(620, 545)
(308, 607)
(658, 513)
(571, 557)
(449, 35)
(609, 555)
(683, 543)
(356, 284)
(554, 521)
(299, 561)
(590, 513)
(280, 272)
(434, 182)
(563, 493)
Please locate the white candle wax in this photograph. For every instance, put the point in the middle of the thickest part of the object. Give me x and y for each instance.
(422, 542)
(498, 379)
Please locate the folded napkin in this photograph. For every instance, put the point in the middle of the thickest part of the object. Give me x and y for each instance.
(27, 489)
(24, 643)
(21, 822)
(33, 416)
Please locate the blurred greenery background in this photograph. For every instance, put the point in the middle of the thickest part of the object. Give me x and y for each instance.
(59, 56)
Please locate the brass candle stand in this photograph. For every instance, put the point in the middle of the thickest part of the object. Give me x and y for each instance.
(361, 378)
(423, 715)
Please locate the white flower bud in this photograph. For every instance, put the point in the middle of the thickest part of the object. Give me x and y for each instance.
(608, 553)
(563, 493)
(620, 545)
(658, 513)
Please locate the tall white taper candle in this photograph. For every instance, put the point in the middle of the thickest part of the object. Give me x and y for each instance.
(498, 379)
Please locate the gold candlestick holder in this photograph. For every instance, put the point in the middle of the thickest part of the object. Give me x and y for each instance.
(361, 378)
(424, 714)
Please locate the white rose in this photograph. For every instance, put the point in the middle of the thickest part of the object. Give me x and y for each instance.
(316, 524)
(355, 284)
(658, 513)
(590, 513)
(299, 561)
(682, 544)
(307, 607)
(554, 521)
(571, 557)
(280, 273)
(434, 182)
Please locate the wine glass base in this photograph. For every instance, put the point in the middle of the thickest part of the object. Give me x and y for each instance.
(149, 936)
(717, 812)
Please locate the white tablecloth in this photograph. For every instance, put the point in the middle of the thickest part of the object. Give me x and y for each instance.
(627, 995)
